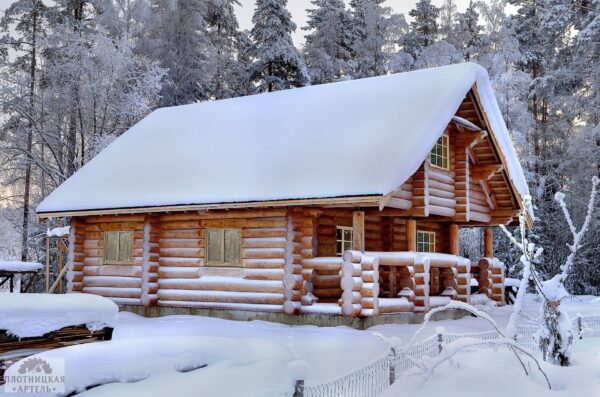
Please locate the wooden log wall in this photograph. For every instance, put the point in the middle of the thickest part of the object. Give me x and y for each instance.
(479, 209)
(420, 184)
(295, 285)
(442, 199)
(351, 300)
(463, 279)
(181, 258)
(402, 197)
(75, 264)
(121, 283)
(489, 273)
(265, 281)
(326, 277)
(377, 231)
(150, 265)
(370, 285)
(442, 233)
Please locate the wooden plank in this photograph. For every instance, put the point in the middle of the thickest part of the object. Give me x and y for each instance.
(411, 234)
(358, 230)
(488, 242)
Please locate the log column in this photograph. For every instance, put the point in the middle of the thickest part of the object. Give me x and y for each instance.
(488, 242)
(454, 247)
(411, 235)
(358, 230)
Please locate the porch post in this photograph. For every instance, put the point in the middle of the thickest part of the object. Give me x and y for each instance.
(488, 242)
(411, 235)
(454, 239)
(47, 275)
(358, 230)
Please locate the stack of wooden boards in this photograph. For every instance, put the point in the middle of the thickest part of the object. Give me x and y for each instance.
(60, 338)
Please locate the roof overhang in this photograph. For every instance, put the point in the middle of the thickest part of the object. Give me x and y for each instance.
(363, 200)
(493, 140)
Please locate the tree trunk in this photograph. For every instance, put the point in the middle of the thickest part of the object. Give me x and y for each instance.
(554, 339)
(29, 143)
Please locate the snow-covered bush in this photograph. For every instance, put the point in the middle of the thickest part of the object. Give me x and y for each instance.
(555, 335)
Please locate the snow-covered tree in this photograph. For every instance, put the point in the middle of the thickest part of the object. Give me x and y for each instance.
(467, 34)
(328, 48)
(424, 26)
(28, 19)
(374, 33)
(175, 36)
(227, 68)
(277, 63)
(555, 335)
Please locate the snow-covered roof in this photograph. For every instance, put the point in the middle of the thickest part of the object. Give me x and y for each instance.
(351, 138)
(60, 231)
(18, 266)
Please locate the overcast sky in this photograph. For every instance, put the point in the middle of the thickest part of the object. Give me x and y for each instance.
(298, 10)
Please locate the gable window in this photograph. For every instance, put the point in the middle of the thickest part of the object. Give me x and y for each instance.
(223, 247)
(344, 239)
(425, 241)
(440, 154)
(118, 248)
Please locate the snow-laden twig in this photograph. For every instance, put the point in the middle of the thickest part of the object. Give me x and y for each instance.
(465, 343)
(577, 235)
(456, 305)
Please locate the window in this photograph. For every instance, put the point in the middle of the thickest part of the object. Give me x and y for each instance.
(440, 154)
(425, 241)
(223, 247)
(344, 239)
(118, 248)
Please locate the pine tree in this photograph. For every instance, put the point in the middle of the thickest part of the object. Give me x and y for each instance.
(467, 32)
(227, 69)
(328, 48)
(277, 63)
(372, 29)
(424, 26)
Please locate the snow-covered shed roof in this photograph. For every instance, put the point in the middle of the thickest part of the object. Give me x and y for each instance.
(352, 138)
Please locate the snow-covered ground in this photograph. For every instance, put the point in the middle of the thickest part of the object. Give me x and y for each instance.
(193, 355)
(496, 373)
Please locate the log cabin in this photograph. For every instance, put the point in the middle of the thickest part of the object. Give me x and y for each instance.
(340, 199)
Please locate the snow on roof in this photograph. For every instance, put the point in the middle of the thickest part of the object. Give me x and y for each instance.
(351, 138)
(27, 315)
(58, 231)
(16, 266)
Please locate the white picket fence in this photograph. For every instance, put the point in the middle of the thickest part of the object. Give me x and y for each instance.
(374, 378)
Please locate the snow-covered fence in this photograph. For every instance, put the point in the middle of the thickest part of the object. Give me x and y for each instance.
(590, 326)
(368, 381)
(372, 379)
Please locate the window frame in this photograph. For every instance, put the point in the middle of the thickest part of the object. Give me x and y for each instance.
(221, 262)
(430, 243)
(343, 240)
(444, 143)
(119, 233)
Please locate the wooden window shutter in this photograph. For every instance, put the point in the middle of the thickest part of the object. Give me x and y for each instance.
(233, 244)
(111, 247)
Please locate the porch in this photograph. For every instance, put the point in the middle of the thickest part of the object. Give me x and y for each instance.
(362, 283)
(373, 283)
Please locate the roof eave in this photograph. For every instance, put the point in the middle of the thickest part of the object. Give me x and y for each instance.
(360, 200)
(514, 191)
